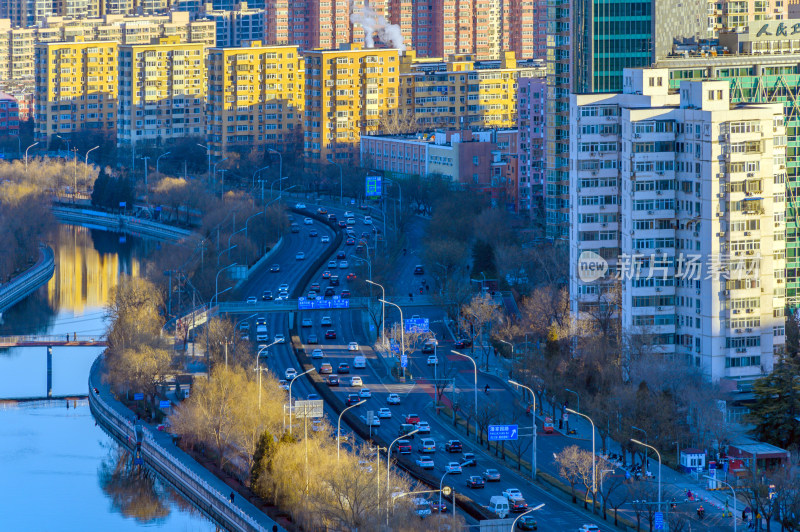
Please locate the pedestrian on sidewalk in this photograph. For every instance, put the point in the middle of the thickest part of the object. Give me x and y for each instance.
(486, 389)
(232, 497)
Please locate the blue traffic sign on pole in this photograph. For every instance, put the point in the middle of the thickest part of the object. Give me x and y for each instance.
(373, 186)
(404, 361)
(658, 521)
(164, 404)
(138, 396)
(503, 432)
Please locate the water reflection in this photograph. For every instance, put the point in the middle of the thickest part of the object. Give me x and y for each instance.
(89, 263)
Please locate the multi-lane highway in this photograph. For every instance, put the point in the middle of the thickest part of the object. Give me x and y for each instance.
(417, 396)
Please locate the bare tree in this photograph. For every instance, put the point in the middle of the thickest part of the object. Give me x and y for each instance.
(572, 466)
(476, 317)
(488, 412)
(616, 493)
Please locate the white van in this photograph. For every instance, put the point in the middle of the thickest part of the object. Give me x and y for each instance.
(359, 362)
(261, 333)
(498, 505)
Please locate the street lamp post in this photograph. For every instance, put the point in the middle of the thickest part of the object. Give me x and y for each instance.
(232, 234)
(86, 166)
(646, 461)
(383, 307)
(339, 430)
(525, 513)
(578, 407)
(602, 477)
(659, 468)
(215, 167)
(594, 460)
(26, 154)
(248, 221)
(216, 281)
(341, 182)
(258, 368)
(67, 141)
(254, 179)
(441, 481)
(533, 416)
(475, 388)
(509, 343)
(389, 455)
(208, 164)
(402, 331)
(734, 497)
(223, 251)
(145, 159)
(271, 185)
(159, 158)
(280, 168)
(290, 396)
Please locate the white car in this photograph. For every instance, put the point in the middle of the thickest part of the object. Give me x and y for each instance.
(376, 421)
(453, 467)
(589, 528)
(308, 221)
(348, 214)
(283, 287)
(317, 353)
(290, 374)
(344, 264)
(325, 239)
(244, 326)
(326, 320)
(284, 384)
(355, 381)
(512, 494)
(280, 339)
(432, 360)
(332, 264)
(423, 427)
(300, 206)
(384, 413)
(368, 220)
(307, 322)
(251, 300)
(352, 346)
(282, 296)
(425, 462)
(365, 393)
(393, 399)
(300, 256)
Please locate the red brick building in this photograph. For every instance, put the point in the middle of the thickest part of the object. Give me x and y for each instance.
(9, 115)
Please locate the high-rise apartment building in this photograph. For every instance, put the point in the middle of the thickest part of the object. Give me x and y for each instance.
(255, 98)
(730, 14)
(462, 92)
(531, 98)
(590, 42)
(682, 197)
(239, 25)
(17, 44)
(162, 91)
(348, 93)
(76, 88)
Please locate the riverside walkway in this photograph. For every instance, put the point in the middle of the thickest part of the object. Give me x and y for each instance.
(203, 488)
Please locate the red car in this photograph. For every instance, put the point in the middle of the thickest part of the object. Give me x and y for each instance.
(404, 447)
(437, 507)
(412, 419)
(330, 334)
(351, 276)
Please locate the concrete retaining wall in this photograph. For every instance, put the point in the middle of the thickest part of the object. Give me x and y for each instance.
(28, 282)
(118, 222)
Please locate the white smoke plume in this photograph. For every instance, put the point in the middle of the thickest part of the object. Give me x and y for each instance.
(376, 24)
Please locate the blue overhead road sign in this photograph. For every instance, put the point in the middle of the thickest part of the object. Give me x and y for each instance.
(503, 432)
(417, 325)
(321, 304)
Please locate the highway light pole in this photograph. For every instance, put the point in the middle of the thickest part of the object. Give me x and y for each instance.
(254, 180)
(208, 153)
(734, 497)
(383, 308)
(646, 461)
(594, 460)
(525, 513)
(159, 159)
(659, 468)
(475, 388)
(389, 457)
(86, 166)
(26, 155)
(280, 168)
(290, 396)
(215, 167)
(578, 407)
(216, 282)
(258, 368)
(339, 430)
(533, 416)
(248, 221)
(402, 331)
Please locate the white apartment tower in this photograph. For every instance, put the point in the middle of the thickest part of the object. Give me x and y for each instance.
(683, 196)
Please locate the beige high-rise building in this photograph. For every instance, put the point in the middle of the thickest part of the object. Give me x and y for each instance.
(255, 97)
(17, 44)
(76, 88)
(162, 91)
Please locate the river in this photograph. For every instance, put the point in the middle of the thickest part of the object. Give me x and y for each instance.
(60, 471)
